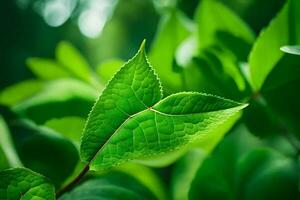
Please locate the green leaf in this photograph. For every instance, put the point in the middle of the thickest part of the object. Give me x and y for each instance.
(72, 131)
(206, 144)
(215, 71)
(24, 184)
(72, 60)
(8, 154)
(283, 29)
(19, 92)
(184, 173)
(295, 50)
(107, 69)
(58, 99)
(147, 177)
(266, 174)
(144, 126)
(213, 17)
(240, 168)
(47, 69)
(172, 31)
(110, 186)
(45, 151)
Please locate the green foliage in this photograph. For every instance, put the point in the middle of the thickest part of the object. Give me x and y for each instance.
(282, 30)
(169, 133)
(20, 92)
(46, 69)
(111, 186)
(240, 169)
(73, 61)
(214, 18)
(8, 154)
(58, 99)
(21, 183)
(45, 151)
(173, 29)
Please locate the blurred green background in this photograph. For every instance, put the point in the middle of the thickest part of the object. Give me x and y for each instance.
(100, 29)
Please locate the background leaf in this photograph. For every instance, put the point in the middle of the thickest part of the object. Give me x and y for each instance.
(72, 131)
(58, 99)
(8, 154)
(254, 172)
(211, 22)
(21, 183)
(282, 30)
(110, 186)
(107, 69)
(47, 69)
(19, 92)
(173, 29)
(73, 61)
(45, 151)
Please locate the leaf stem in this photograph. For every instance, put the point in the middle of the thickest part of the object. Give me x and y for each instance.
(74, 182)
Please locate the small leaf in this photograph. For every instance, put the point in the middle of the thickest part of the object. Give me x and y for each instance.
(22, 183)
(295, 50)
(19, 92)
(110, 186)
(142, 125)
(47, 69)
(213, 17)
(72, 60)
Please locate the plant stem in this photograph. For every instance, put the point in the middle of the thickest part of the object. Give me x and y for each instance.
(74, 182)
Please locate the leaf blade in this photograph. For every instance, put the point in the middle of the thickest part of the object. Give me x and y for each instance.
(117, 132)
(22, 183)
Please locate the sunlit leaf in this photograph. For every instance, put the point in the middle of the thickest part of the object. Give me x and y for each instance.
(144, 125)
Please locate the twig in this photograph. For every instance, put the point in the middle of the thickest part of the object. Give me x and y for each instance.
(74, 182)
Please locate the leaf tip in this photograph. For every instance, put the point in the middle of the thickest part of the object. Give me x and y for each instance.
(142, 47)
